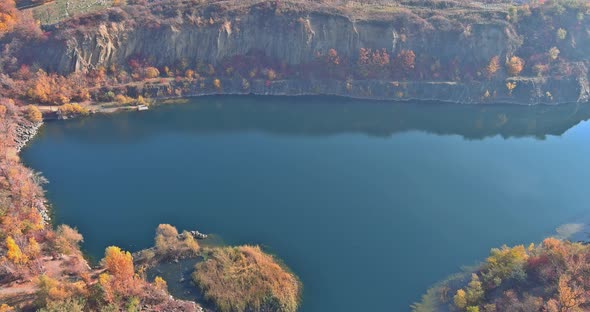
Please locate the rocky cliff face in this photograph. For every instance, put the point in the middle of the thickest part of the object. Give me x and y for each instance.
(297, 37)
(294, 38)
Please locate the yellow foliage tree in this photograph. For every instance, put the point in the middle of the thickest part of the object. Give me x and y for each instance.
(14, 253)
(493, 66)
(460, 299)
(105, 281)
(474, 292)
(151, 72)
(554, 53)
(33, 250)
(160, 283)
(119, 263)
(510, 86)
(73, 109)
(217, 84)
(33, 114)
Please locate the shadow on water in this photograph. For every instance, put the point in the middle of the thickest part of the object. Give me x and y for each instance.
(317, 116)
(178, 277)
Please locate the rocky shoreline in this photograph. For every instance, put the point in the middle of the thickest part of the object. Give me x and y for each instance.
(528, 91)
(24, 132)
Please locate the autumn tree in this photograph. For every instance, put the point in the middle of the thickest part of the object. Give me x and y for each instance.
(119, 279)
(570, 296)
(553, 53)
(166, 238)
(119, 263)
(72, 110)
(561, 34)
(151, 72)
(505, 263)
(53, 292)
(271, 74)
(515, 65)
(170, 244)
(493, 67)
(474, 293)
(406, 60)
(33, 114)
(8, 16)
(471, 297)
(33, 249)
(332, 57)
(14, 253)
(160, 283)
(460, 299)
(364, 56)
(217, 84)
(52, 89)
(67, 239)
(380, 58)
(510, 85)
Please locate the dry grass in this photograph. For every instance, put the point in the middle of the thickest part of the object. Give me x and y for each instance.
(379, 10)
(58, 10)
(246, 279)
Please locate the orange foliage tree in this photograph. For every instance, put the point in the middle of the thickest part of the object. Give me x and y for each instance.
(515, 65)
(120, 279)
(333, 57)
(53, 89)
(8, 16)
(119, 263)
(493, 67)
(217, 84)
(406, 60)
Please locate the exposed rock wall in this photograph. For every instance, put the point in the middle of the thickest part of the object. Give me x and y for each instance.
(297, 37)
(292, 38)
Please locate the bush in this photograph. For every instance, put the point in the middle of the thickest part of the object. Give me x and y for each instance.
(67, 239)
(33, 114)
(151, 72)
(170, 244)
(246, 279)
(72, 110)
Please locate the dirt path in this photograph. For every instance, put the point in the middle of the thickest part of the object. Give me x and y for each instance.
(22, 292)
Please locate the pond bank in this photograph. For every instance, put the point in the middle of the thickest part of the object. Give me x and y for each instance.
(528, 91)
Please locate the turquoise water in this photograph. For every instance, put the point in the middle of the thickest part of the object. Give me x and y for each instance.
(369, 203)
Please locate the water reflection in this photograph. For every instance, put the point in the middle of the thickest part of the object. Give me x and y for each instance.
(318, 116)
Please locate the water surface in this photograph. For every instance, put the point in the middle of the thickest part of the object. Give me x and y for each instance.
(368, 202)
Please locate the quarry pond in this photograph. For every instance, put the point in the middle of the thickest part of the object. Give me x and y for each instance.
(368, 202)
